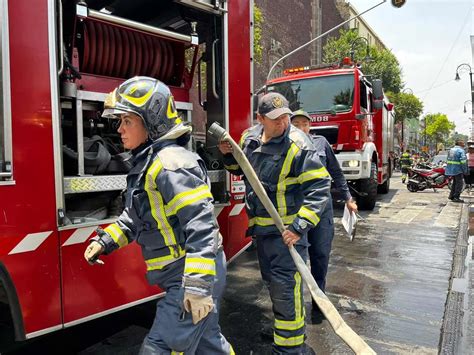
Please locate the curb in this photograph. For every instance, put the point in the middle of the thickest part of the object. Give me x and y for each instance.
(451, 329)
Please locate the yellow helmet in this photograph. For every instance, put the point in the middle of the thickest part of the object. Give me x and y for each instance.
(148, 98)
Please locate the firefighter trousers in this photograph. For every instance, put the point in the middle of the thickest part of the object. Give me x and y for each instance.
(173, 332)
(320, 240)
(286, 291)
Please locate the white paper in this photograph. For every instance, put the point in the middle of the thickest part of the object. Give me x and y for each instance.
(349, 221)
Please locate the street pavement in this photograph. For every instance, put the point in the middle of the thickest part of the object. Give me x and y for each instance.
(404, 284)
(390, 284)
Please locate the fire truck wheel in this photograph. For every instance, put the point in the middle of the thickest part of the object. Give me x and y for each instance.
(384, 188)
(368, 187)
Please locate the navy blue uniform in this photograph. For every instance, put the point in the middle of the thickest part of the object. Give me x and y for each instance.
(169, 213)
(320, 238)
(298, 185)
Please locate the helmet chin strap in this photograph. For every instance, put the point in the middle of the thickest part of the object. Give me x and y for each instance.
(176, 132)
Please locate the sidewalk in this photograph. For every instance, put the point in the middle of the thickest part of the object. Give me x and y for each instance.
(457, 331)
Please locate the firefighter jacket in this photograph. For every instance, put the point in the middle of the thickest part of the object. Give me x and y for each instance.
(405, 160)
(169, 212)
(293, 176)
(457, 161)
(329, 160)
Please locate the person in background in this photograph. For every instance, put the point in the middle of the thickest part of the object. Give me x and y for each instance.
(169, 212)
(320, 238)
(457, 168)
(298, 185)
(405, 162)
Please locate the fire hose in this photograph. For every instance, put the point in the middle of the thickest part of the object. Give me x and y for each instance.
(354, 341)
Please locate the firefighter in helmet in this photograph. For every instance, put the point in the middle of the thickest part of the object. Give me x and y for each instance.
(405, 162)
(169, 212)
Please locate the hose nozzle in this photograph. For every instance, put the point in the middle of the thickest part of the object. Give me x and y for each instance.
(216, 131)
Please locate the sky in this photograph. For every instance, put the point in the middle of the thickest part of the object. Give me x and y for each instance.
(430, 38)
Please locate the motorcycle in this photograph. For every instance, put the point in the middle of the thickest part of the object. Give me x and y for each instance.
(431, 178)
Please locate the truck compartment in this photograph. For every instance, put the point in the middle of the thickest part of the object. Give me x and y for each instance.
(103, 44)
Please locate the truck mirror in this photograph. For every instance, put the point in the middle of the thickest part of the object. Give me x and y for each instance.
(377, 89)
(378, 104)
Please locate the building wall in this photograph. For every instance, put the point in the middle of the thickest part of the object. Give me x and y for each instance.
(286, 26)
(364, 29)
(289, 24)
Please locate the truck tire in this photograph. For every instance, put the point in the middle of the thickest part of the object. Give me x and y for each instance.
(384, 187)
(368, 187)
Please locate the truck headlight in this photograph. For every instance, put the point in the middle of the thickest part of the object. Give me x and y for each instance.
(350, 164)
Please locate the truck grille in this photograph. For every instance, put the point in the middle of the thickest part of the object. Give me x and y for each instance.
(328, 132)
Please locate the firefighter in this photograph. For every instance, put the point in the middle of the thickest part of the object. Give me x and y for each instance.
(320, 238)
(169, 212)
(457, 168)
(405, 163)
(298, 185)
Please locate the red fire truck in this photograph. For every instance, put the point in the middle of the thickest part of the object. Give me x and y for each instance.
(61, 164)
(354, 116)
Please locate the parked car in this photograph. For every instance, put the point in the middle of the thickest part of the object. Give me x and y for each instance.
(440, 158)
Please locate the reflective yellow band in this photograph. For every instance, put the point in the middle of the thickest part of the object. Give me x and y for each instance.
(289, 324)
(313, 174)
(299, 313)
(187, 198)
(138, 101)
(232, 352)
(200, 266)
(281, 186)
(232, 167)
(456, 162)
(157, 205)
(117, 235)
(162, 261)
(293, 341)
(267, 221)
(309, 215)
(177, 352)
(242, 138)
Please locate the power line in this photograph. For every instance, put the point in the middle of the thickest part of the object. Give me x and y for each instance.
(449, 53)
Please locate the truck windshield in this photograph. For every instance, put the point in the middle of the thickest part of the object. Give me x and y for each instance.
(333, 93)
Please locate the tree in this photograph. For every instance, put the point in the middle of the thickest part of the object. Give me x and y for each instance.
(438, 127)
(407, 106)
(454, 137)
(384, 65)
(257, 34)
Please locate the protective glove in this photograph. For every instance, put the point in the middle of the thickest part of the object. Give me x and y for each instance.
(93, 252)
(198, 305)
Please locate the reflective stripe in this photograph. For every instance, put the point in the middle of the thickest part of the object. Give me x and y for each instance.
(297, 294)
(292, 341)
(313, 174)
(289, 324)
(177, 352)
(232, 352)
(309, 215)
(299, 310)
(162, 261)
(187, 198)
(117, 234)
(281, 186)
(268, 221)
(157, 205)
(242, 139)
(232, 167)
(456, 162)
(200, 266)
